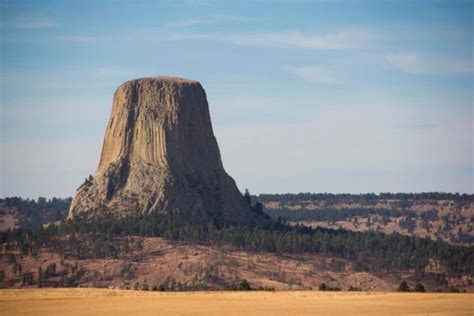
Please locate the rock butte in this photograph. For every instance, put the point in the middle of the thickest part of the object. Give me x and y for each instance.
(160, 156)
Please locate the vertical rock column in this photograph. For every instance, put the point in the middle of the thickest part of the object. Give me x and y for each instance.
(160, 156)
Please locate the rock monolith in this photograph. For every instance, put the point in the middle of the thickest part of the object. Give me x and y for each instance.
(160, 156)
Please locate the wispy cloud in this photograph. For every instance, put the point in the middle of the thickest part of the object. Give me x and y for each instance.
(212, 19)
(312, 74)
(187, 23)
(295, 39)
(188, 29)
(425, 64)
(171, 31)
(196, 3)
(236, 18)
(420, 126)
(74, 79)
(283, 39)
(27, 24)
(406, 62)
(80, 39)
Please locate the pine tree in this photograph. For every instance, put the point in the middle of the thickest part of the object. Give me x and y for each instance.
(419, 287)
(403, 287)
(40, 277)
(247, 197)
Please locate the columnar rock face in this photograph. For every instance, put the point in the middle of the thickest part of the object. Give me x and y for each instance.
(160, 156)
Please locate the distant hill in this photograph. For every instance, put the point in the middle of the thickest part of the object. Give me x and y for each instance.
(153, 263)
(439, 216)
(16, 212)
(156, 252)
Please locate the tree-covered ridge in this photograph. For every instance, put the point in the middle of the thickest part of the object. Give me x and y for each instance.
(440, 216)
(363, 198)
(369, 251)
(41, 211)
(32, 213)
(333, 214)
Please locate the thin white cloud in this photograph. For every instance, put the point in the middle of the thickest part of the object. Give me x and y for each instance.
(73, 80)
(236, 18)
(181, 30)
(426, 64)
(312, 74)
(28, 24)
(172, 36)
(196, 3)
(80, 39)
(239, 103)
(294, 39)
(187, 23)
(406, 62)
(212, 19)
(283, 39)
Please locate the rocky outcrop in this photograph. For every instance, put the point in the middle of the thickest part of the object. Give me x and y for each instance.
(160, 156)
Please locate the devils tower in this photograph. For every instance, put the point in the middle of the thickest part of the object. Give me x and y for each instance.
(160, 156)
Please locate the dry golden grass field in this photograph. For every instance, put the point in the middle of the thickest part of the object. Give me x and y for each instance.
(119, 302)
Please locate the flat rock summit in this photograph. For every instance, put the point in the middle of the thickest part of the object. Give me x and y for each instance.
(160, 156)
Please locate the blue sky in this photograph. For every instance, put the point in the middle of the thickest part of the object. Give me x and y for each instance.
(319, 96)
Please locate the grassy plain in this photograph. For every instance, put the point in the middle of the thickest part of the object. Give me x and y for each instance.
(120, 302)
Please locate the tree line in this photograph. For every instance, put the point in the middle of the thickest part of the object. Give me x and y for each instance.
(32, 213)
(109, 236)
(363, 198)
(333, 214)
